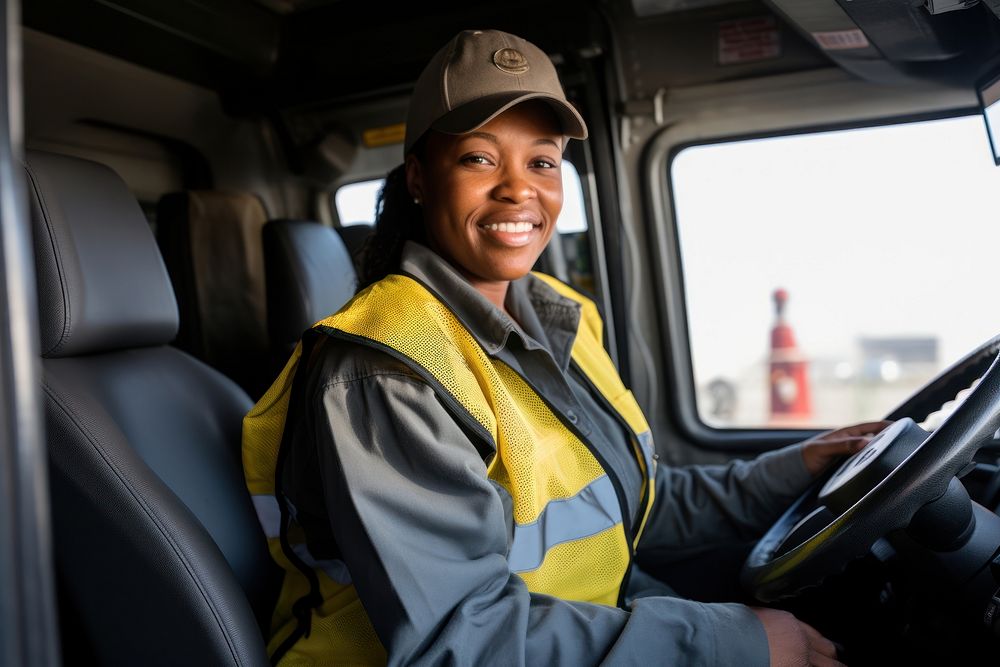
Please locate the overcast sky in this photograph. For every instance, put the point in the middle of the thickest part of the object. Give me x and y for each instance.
(889, 231)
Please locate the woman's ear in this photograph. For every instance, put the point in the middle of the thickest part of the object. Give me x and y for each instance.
(414, 178)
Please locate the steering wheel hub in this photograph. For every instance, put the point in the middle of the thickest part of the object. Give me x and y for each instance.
(863, 471)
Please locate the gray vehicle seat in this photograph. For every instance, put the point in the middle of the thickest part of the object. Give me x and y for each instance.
(157, 546)
(354, 237)
(211, 244)
(309, 276)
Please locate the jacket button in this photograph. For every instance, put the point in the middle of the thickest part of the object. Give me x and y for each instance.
(571, 416)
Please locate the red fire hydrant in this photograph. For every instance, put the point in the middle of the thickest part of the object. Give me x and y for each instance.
(789, 377)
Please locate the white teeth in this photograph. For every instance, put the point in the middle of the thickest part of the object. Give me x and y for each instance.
(510, 227)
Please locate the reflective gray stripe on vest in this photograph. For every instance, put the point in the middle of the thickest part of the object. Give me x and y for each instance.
(593, 510)
(646, 445)
(269, 514)
(333, 568)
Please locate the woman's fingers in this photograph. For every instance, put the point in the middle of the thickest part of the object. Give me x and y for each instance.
(818, 454)
(792, 642)
(820, 660)
(846, 445)
(868, 428)
(818, 643)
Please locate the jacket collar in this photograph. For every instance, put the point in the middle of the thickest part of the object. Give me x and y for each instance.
(545, 319)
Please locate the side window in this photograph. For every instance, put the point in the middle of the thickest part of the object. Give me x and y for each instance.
(355, 204)
(828, 275)
(572, 231)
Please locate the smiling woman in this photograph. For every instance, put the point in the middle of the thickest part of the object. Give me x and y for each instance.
(454, 451)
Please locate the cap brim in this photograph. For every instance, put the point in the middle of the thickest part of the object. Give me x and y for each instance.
(477, 113)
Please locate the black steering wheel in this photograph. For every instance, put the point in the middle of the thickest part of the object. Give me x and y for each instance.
(905, 477)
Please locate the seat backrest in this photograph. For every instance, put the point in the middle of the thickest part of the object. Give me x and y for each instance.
(157, 546)
(310, 275)
(211, 244)
(354, 237)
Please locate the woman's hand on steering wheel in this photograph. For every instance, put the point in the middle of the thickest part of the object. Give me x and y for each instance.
(820, 451)
(792, 643)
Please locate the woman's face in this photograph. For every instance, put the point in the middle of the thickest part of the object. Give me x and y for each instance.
(491, 197)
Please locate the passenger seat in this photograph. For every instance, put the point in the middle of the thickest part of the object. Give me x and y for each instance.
(158, 548)
(355, 236)
(310, 275)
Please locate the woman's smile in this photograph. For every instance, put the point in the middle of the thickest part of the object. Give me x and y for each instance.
(514, 230)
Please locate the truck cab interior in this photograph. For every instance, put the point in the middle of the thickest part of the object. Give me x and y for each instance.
(785, 211)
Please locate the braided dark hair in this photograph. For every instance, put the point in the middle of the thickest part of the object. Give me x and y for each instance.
(398, 219)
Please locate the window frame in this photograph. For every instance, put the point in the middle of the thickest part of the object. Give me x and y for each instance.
(580, 155)
(668, 265)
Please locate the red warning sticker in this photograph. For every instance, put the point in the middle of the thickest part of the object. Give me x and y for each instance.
(748, 40)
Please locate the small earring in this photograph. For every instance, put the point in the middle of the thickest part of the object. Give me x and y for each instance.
(416, 200)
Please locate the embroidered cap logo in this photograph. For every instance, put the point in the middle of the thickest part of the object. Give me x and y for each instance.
(510, 61)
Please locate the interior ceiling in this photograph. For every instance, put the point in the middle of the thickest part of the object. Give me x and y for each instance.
(653, 7)
(291, 6)
(283, 53)
(267, 55)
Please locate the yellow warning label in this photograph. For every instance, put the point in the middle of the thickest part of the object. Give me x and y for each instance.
(383, 136)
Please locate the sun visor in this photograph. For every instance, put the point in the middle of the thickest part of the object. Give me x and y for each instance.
(330, 156)
(897, 42)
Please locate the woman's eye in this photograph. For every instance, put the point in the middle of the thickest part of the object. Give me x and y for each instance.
(545, 163)
(475, 159)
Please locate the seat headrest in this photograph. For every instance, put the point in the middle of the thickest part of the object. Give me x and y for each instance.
(101, 282)
(310, 275)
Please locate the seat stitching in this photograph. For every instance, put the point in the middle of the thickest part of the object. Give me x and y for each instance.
(57, 254)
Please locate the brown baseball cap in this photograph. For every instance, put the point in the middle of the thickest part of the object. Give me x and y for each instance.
(477, 76)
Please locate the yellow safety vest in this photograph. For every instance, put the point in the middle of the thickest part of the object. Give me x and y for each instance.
(561, 492)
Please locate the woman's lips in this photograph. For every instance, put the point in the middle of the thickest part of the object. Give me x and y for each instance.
(513, 234)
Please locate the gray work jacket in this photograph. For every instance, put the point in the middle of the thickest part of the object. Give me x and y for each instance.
(386, 480)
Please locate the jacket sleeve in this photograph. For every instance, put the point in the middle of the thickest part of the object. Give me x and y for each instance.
(425, 534)
(700, 507)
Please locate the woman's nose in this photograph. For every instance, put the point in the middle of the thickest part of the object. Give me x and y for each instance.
(514, 186)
